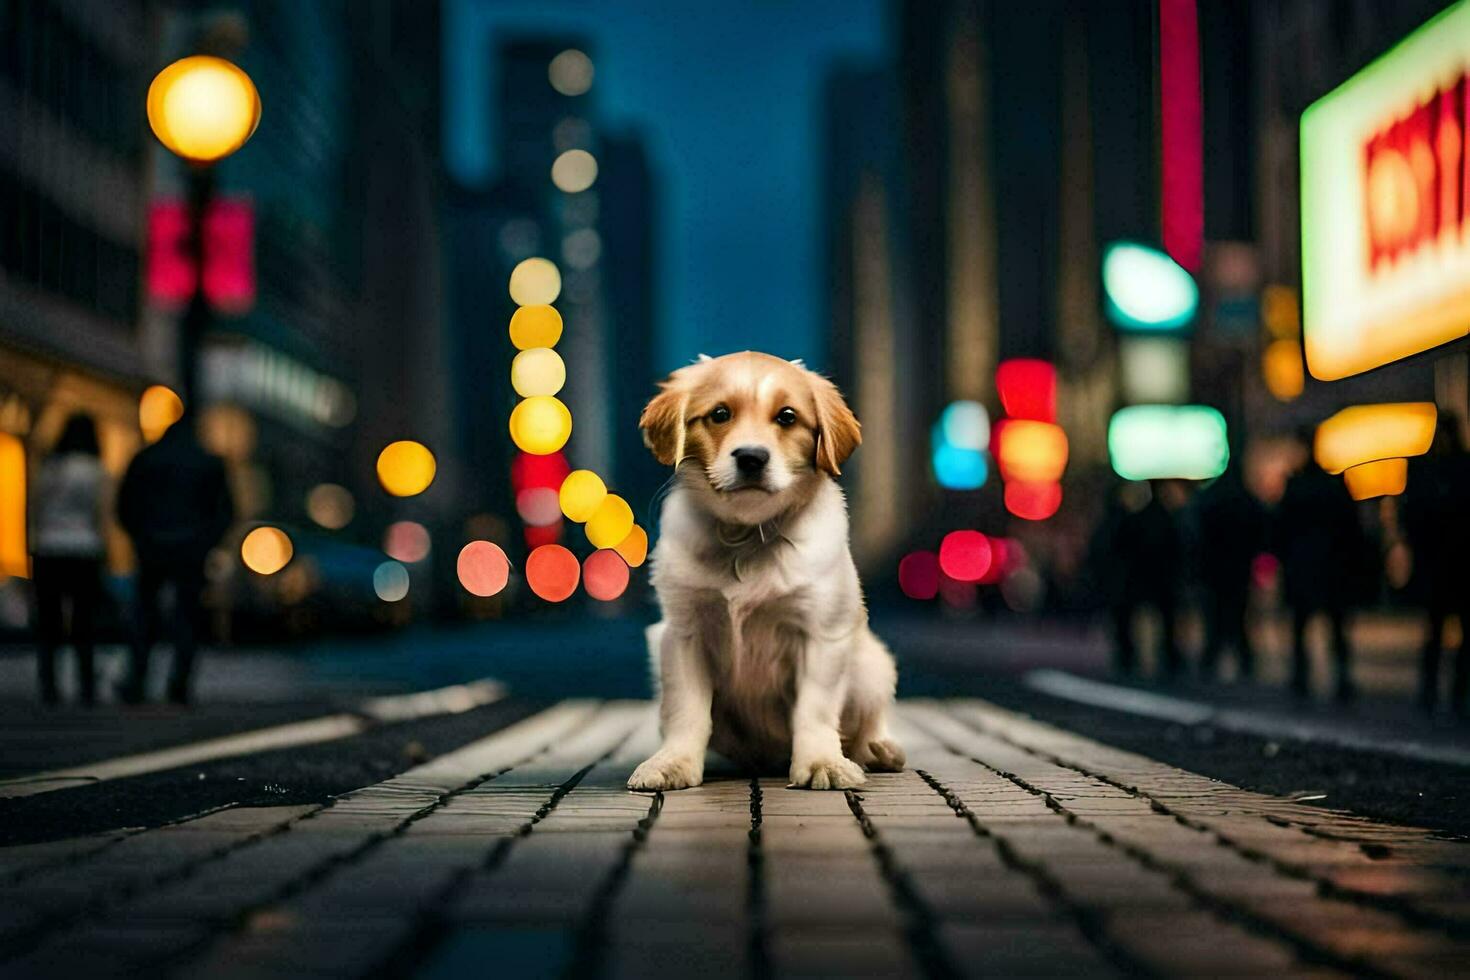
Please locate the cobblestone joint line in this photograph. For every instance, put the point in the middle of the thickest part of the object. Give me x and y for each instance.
(758, 938)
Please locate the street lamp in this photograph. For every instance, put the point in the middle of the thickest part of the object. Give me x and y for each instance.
(202, 108)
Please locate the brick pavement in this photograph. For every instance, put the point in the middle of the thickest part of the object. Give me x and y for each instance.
(1009, 848)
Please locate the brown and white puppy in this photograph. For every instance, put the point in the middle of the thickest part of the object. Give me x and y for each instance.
(764, 652)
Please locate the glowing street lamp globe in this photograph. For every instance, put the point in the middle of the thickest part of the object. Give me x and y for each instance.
(203, 108)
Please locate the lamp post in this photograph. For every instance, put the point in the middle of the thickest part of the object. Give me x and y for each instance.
(202, 109)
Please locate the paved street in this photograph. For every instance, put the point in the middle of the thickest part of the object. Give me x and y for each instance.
(1009, 847)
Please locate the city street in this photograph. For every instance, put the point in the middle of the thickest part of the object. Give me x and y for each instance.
(485, 824)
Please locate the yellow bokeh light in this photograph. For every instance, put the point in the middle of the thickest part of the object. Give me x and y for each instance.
(1364, 433)
(1030, 451)
(406, 468)
(611, 523)
(1281, 312)
(581, 492)
(203, 108)
(537, 371)
(535, 326)
(266, 550)
(540, 425)
(158, 409)
(634, 548)
(535, 282)
(574, 171)
(1380, 478)
(570, 72)
(1281, 366)
(14, 559)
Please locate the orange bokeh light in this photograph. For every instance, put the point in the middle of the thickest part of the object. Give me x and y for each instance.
(552, 572)
(483, 568)
(1033, 501)
(1030, 451)
(634, 548)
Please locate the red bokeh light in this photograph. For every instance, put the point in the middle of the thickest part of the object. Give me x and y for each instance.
(1028, 389)
(605, 575)
(1181, 133)
(918, 575)
(527, 471)
(1033, 501)
(1264, 569)
(406, 541)
(538, 506)
(552, 572)
(965, 555)
(483, 568)
(538, 536)
(1000, 556)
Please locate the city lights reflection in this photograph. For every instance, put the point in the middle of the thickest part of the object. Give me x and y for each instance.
(266, 550)
(482, 568)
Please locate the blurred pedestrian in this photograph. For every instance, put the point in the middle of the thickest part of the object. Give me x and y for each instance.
(1436, 520)
(175, 504)
(1232, 532)
(1322, 550)
(1145, 551)
(67, 548)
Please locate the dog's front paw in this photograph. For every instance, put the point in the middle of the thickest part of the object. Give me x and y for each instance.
(838, 773)
(880, 755)
(669, 771)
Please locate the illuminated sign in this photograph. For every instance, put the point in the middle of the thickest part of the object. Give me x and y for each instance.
(1385, 182)
(1365, 433)
(229, 255)
(1154, 442)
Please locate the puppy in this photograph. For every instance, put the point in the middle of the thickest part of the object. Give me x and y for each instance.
(764, 652)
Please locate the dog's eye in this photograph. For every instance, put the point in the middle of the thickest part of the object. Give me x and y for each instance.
(785, 417)
(720, 415)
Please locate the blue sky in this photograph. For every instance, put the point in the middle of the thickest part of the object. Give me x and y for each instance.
(728, 94)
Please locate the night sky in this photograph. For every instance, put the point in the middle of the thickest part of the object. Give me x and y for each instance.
(728, 98)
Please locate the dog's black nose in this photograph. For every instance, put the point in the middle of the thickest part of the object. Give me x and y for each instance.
(750, 460)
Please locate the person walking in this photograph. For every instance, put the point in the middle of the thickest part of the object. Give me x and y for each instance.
(67, 548)
(1232, 532)
(1321, 546)
(1146, 549)
(1436, 522)
(175, 504)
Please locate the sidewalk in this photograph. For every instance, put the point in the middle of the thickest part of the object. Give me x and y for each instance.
(1009, 848)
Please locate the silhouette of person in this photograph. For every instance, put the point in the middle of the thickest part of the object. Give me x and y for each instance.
(1321, 546)
(1232, 531)
(175, 504)
(1436, 520)
(1147, 550)
(67, 548)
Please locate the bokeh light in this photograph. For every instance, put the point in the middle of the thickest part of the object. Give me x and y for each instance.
(535, 282)
(266, 550)
(406, 541)
(203, 108)
(1028, 389)
(1153, 442)
(634, 548)
(918, 575)
(15, 558)
(483, 568)
(1033, 501)
(537, 371)
(390, 581)
(570, 72)
(528, 470)
(330, 506)
(1282, 367)
(158, 408)
(1147, 290)
(406, 468)
(1380, 478)
(535, 326)
(1029, 450)
(1153, 370)
(538, 506)
(959, 469)
(1363, 433)
(574, 171)
(228, 431)
(581, 494)
(537, 536)
(965, 425)
(552, 572)
(610, 523)
(964, 555)
(540, 425)
(605, 575)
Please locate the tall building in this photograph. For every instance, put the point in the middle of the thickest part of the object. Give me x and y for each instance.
(74, 164)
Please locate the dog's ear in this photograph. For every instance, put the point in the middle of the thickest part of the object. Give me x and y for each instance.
(838, 430)
(662, 422)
